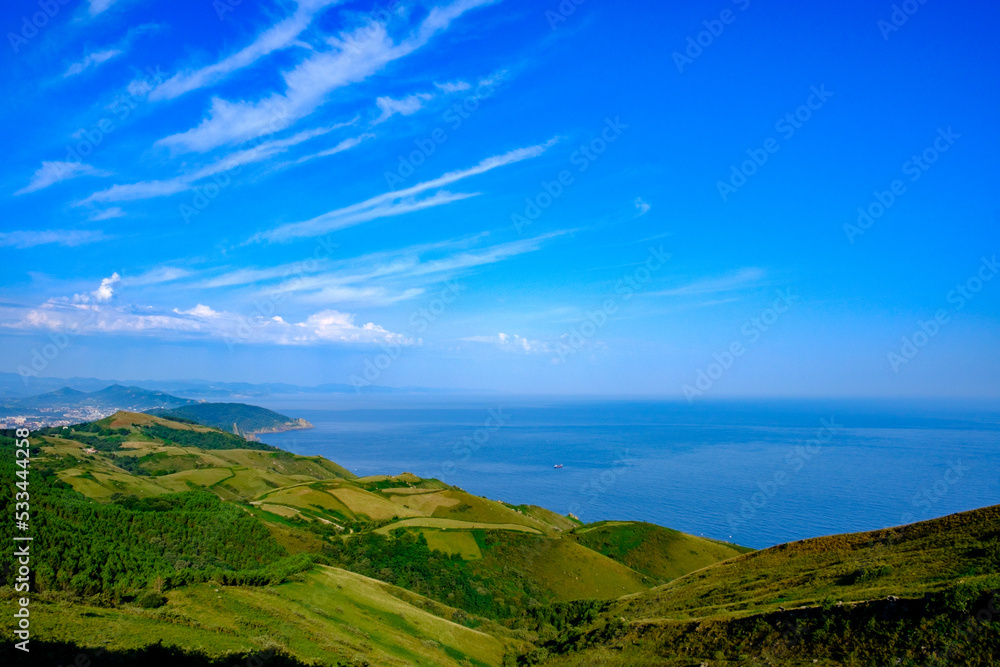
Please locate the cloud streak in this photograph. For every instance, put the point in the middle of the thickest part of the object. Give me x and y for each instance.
(385, 278)
(54, 172)
(512, 343)
(65, 237)
(398, 202)
(406, 106)
(231, 162)
(279, 36)
(100, 6)
(92, 59)
(353, 57)
(728, 283)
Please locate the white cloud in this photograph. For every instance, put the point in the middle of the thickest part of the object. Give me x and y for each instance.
(54, 172)
(455, 87)
(411, 104)
(512, 343)
(279, 36)
(139, 88)
(106, 290)
(385, 278)
(260, 152)
(103, 294)
(344, 145)
(94, 59)
(66, 237)
(332, 325)
(200, 311)
(491, 255)
(407, 106)
(107, 214)
(398, 202)
(93, 313)
(734, 281)
(140, 190)
(159, 275)
(353, 57)
(641, 206)
(84, 317)
(99, 6)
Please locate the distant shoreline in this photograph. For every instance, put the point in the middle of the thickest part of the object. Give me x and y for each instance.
(297, 424)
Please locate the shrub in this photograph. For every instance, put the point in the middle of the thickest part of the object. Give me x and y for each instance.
(151, 600)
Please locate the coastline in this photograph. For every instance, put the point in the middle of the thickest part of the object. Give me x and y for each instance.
(297, 424)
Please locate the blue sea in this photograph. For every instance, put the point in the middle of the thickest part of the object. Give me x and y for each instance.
(757, 474)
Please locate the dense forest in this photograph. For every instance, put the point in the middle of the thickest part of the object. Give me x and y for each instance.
(116, 550)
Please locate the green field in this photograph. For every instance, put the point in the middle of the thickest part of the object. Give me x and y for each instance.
(460, 542)
(329, 613)
(453, 523)
(658, 552)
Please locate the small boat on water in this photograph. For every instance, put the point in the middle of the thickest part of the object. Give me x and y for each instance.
(558, 465)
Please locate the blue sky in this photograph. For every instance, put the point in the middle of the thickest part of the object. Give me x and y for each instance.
(620, 199)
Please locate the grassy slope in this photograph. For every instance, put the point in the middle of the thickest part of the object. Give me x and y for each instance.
(906, 562)
(232, 473)
(570, 571)
(655, 551)
(818, 601)
(329, 613)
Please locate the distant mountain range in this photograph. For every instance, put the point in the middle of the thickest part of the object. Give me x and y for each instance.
(13, 385)
(115, 397)
(68, 404)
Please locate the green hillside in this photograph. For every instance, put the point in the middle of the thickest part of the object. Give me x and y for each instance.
(233, 417)
(176, 532)
(921, 594)
(658, 552)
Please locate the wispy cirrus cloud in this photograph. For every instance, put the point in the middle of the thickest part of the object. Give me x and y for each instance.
(376, 279)
(453, 86)
(388, 277)
(54, 172)
(512, 343)
(258, 153)
(100, 56)
(398, 202)
(279, 36)
(157, 276)
(107, 214)
(406, 106)
(411, 104)
(100, 6)
(734, 281)
(344, 145)
(66, 237)
(140, 190)
(353, 57)
(91, 59)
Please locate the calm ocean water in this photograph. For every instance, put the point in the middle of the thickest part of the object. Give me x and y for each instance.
(753, 473)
